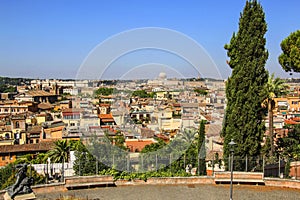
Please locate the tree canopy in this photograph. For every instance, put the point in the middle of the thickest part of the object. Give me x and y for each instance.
(244, 119)
(289, 146)
(290, 57)
(104, 91)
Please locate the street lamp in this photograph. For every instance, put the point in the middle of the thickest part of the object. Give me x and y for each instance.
(231, 145)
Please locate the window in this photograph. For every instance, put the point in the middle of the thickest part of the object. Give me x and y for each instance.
(3, 157)
(17, 125)
(294, 102)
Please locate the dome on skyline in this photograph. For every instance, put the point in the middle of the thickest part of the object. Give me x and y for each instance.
(162, 75)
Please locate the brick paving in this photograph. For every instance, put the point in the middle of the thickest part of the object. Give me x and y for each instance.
(177, 192)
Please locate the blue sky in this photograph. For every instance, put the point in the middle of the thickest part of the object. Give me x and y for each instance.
(51, 39)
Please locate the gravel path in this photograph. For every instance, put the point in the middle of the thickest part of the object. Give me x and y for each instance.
(177, 192)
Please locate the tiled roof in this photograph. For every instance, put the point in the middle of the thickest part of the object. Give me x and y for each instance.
(45, 106)
(39, 93)
(137, 145)
(43, 146)
(105, 116)
(290, 121)
(35, 129)
(72, 110)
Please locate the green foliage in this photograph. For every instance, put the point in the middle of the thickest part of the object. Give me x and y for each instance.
(33, 159)
(142, 176)
(100, 152)
(141, 94)
(117, 140)
(14, 81)
(7, 88)
(201, 91)
(38, 178)
(290, 57)
(289, 146)
(7, 176)
(86, 164)
(201, 149)
(104, 91)
(274, 87)
(65, 96)
(244, 119)
(5, 173)
(60, 152)
(154, 146)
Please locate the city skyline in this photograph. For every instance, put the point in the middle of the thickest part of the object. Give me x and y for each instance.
(51, 39)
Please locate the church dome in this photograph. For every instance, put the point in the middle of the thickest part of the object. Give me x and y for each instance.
(162, 75)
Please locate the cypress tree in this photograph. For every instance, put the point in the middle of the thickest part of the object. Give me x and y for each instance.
(201, 150)
(243, 120)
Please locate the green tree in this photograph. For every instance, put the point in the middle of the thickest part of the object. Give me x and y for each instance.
(104, 91)
(154, 146)
(60, 152)
(275, 87)
(33, 159)
(289, 146)
(201, 149)
(11, 177)
(5, 173)
(7, 88)
(141, 94)
(290, 57)
(201, 92)
(243, 121)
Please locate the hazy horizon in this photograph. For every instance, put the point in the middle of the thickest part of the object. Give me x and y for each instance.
(53, 39)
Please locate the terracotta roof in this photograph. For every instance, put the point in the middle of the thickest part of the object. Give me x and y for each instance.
(72, 110)
(107, 120)
(104, 105)
(105, 116)
(43, 146)
(35, 129)
(137, 145)
(176, 104)
(290, 121)
(45, 106)
(297, 119)
(39, 93)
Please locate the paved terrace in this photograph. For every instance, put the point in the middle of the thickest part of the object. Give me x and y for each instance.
(171, 188)
(172, 192)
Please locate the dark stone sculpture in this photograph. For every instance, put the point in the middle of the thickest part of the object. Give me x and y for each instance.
(22, 184)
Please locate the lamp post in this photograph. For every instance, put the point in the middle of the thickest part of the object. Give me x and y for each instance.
(231, 145)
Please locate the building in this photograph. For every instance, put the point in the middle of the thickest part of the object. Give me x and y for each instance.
(14, 107)
(36, 96)
(9, 153)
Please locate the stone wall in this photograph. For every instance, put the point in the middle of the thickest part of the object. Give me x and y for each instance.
(276, 182)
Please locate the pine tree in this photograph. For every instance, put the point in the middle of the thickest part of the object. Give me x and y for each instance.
(243, 121)
(290, 57)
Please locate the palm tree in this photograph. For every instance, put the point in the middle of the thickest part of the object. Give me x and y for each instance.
(275, 87)
(60, 152)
